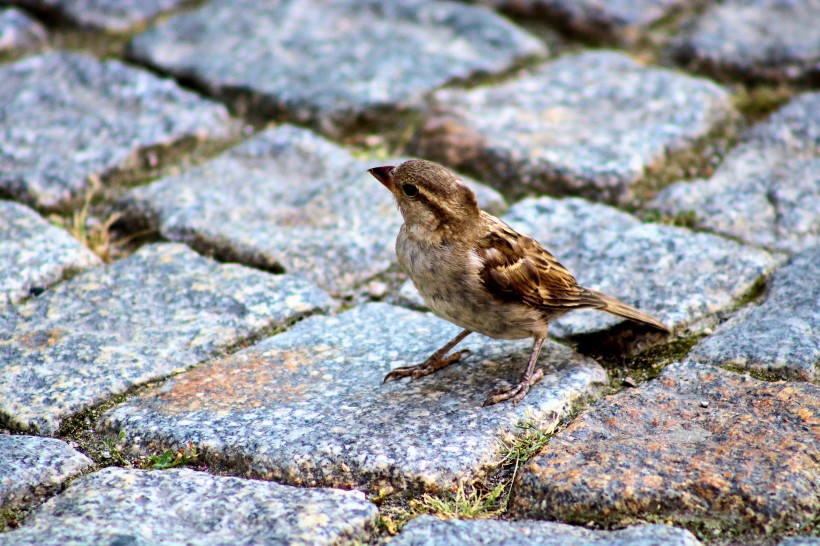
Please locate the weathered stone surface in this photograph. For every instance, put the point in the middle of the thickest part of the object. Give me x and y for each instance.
(308, 406)
(333, 64)
(31, 466)
(800, 541)
(159, 311)
(771, 179)
(181, 506)
(110, 15)
(67, 117)
(588, 123)
(34, 254)
(775, 40)
(779, 336)
(429, 530)
(611, 20)
(697, 444)
(19, 32)
(682, 278)
(286, 199)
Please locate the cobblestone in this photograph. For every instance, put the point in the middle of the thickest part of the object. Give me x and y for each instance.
(771, 179)
(285, 200)
(696, 444)
(31, 466)
(431, 531)
(19, 32)
(553, 131)
(157, 312)
(622, 21)
(308, 407)
(34, 254)
(781, 335)
(108, 15)
(773, 40)
(181, 506)
(67, 117)
(333, 65)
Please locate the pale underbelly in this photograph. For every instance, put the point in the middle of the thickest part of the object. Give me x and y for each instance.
(496, 320)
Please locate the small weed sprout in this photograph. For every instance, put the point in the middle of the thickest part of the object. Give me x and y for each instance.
(90, 232)
(113, 446)
(171, 458)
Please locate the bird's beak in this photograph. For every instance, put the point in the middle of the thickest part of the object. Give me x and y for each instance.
(382, 174)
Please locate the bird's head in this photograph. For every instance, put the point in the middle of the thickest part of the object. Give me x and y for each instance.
(430, 197)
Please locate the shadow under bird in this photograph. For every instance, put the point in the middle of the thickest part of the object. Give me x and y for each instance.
(477, 272)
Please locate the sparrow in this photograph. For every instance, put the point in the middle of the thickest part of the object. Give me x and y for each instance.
(477, 272)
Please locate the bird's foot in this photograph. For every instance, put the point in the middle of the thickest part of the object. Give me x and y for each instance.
(516, 392)
(427, 367)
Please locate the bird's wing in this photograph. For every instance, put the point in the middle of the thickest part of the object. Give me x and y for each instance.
(517, 268)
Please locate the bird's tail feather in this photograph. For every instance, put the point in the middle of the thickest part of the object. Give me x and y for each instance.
(619, 308)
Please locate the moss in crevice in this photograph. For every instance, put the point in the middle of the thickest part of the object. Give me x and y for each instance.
(696, 161)
(626, 369)
(756, 102)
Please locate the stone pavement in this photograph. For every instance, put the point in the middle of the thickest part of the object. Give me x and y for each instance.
(230, 300)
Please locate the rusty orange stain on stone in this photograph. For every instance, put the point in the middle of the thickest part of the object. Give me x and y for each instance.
(241, 381)
(42, 338)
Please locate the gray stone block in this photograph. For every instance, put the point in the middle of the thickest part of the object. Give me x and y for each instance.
(696, 444)
(333, 65)
(19, 32)
(781, 334)
(109, 15)
(431, 531)
(154, 313)
(776, 40)
(286, 199)
(34, 254)
(181, 506)
(590, 124)
(767, 190)
(67, 117)
(622, 21)
(32, 466)
(308, 407)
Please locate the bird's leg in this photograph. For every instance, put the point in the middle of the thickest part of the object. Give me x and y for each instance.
(531, 377)
(436, 361)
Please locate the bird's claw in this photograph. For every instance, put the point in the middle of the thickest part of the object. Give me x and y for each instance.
(427, 367)
(516, 392)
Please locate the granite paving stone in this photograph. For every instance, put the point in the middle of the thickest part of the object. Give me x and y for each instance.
(34, 254)
(779, 336)
(589, 124)
(771, 179)
(19, 32)
(156, 312)
(286, 199)
(681, 277)
(431, 531)
(800, 541)
(108, 15)
(31, 466)
(622, 21)
(775, 40)
(697, 444)
(308, 407)
(66, 117)
(182, 506)
(333, 64)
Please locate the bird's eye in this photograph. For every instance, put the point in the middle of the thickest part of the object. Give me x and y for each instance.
(409, 190)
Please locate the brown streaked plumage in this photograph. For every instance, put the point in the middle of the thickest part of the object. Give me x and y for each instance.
(477, 272)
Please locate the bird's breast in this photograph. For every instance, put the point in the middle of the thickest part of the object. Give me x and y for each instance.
(447, 279)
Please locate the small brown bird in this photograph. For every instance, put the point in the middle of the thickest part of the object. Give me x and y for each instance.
(480, 274)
